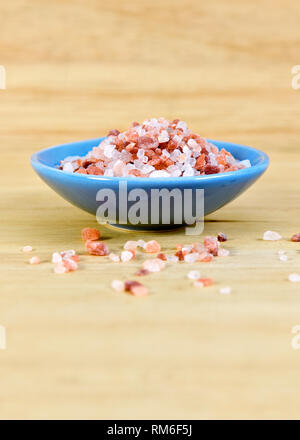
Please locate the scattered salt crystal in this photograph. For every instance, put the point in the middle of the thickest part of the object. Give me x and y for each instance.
(117, 285)
(130, 245)
(141, 243)
(172, 259)
(198, 283)
(60, 268)
(271, 235)
(283, 257)
(126, 256)
(113, 257)
(294, 277)
(56, 257)
(194, 275)
(223, 252)
(191, 258)
(154, 265)
(225, 290)
(27, 249)
(152, 247)
(35, 260)
(192, 143)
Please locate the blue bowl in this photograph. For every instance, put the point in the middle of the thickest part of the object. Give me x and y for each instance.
(81, 189)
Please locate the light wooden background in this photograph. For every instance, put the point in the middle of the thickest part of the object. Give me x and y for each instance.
(75, 349)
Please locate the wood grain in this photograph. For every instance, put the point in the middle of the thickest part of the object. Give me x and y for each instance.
(75, 349)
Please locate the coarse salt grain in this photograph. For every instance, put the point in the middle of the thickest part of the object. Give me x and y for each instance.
(225, 290)
(283, 257)
(203, 282)
(127, 256)
(294, 277)
(155, 265)
(90, 234)
(113, 257)
(117, 285)
(130, 245)
(35, 260)
(27, 249)
(191, 258)
(96, 248)
(272, 236)
(56, 257)
(152, 247)
(223, 252)
(194, 275)
(296, 237)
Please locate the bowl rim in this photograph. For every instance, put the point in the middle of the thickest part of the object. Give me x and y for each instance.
(261, 166)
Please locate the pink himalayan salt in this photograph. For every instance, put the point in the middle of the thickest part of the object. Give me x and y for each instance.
(223, 252)
(193, 275)
(113, 257)
(191, 258)
(118, 285)
(225, 290)
(152, 247)
(155, 148)
(203, 282)
(205, 257)
(127, 256)
(142, 272)
(211, 244)
(90, 234)
(66, 265)
(295, 237)
(35, 260)
(130, 245)
(294, 277)
(155, 265)
(96, 248)
(135, 288)
(272, 236)
(27, 249)
(222, 237)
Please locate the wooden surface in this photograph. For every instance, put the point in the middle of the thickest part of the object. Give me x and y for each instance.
(76, 349)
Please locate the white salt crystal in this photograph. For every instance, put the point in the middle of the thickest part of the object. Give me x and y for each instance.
(194, 275)
(117, 285)
(56, 257)
(126, 256)
(172, 259)
(159, 173)
(192, 143)
(246, 163)
(272, 236)
(294, 277)
(225, 290)
(113, 257)
(68, 167)
(283, 257)
(191, 258)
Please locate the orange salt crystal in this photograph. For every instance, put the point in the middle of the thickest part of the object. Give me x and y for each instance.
(98, 248)
(90, 234)
(162, 256)
(35, 260)
(180, 255)
(70, 265)
(221, 237)
(152, 247)
(203, 282)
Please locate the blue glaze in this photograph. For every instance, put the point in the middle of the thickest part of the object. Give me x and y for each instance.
(81, 189)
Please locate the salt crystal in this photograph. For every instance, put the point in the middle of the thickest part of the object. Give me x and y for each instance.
(56, 257)
(223, 252)
(191, 258)
(194, 275)
(130, 245)
(117, 285)
(152, 247)
(294, 277)
(225, 290)
(113, 257)
(159, 173)
(35, 260)
(272, 236)
(27, 249)
(141, 243)
(172, 259)
(155, 265)
(283, 257)
(68, 167)
(126, 256)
